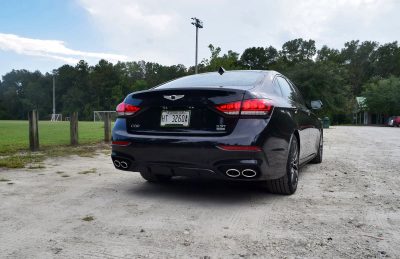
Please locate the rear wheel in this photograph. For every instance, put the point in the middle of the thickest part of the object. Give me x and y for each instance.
(288, 183)
(155, 178)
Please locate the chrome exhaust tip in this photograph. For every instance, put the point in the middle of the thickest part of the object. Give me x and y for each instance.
(249, 173)
(124, 164)
(117, 163)
(232, 173)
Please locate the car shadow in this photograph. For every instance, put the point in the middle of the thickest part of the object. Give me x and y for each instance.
(204, 190)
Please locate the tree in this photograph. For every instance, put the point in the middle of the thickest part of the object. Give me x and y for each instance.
(334, 76)
(254, 58)
(228, 61)
(329, 55)
(386, 60)
(298, 50)
(383, 96)
(358, 59)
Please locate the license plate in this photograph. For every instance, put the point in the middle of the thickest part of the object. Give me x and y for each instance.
(175, 118)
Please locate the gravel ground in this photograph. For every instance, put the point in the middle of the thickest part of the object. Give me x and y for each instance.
(79, 207)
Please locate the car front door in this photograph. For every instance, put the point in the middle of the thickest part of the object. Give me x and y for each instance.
(312, 128)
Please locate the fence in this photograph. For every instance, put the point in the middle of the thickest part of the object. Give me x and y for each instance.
(74, 125)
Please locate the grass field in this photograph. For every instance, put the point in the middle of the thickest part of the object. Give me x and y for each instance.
(14, 135)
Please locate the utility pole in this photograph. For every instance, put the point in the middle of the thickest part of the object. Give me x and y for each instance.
(53, 116)
(198, 24)
(54, 95)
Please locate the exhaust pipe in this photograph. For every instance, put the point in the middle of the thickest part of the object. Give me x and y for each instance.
(117, 163)
(124, 164)
(249, 173)
(232, 173)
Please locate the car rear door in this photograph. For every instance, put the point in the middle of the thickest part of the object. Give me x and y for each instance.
(301, 116)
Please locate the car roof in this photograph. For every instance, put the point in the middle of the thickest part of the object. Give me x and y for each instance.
(267, 74)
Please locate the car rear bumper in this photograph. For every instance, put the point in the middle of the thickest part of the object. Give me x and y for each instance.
(200, 156)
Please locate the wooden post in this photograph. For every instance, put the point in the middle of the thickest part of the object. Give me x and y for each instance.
(33, 130)
(74, 128)
(107, 127)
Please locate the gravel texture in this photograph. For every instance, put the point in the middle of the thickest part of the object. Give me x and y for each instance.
(80, 207)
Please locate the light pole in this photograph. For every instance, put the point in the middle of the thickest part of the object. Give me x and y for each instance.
(54, 95)
(53, 115)
(198, 24)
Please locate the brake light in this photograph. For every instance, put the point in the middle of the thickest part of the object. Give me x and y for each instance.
(256, 107)
(124, 109)
(246, 107)
(230, 108)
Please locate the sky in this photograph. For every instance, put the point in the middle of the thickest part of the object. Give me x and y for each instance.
(46, 34)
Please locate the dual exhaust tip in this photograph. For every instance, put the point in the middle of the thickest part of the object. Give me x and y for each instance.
(121, 164)
(234, 173)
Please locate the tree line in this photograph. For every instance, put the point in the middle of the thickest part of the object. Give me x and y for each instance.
(335, 76)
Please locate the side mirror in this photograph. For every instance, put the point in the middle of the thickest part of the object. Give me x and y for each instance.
(316, 104)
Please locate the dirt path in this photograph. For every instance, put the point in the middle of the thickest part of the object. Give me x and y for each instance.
(348, 206)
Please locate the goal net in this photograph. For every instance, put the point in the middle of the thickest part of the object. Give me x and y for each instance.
(56, 117)
(100, 115)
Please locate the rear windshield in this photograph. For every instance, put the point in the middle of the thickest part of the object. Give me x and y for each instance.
(237, 79)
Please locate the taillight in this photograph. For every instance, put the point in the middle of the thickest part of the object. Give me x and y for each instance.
(256, 107)
(230, 108)
(246, 107)
(124, 109)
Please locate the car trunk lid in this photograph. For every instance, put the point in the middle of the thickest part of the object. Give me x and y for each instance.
(182, 111)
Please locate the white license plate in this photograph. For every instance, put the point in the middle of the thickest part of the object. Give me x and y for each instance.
(175, 118)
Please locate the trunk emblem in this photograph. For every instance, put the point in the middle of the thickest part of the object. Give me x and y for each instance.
(173, 97)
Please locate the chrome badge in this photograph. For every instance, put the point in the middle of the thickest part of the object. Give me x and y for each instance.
(173, 97)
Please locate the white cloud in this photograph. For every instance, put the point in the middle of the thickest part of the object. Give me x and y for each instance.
(160, 30)
(136, 28)
(335, 22)
(52, 49)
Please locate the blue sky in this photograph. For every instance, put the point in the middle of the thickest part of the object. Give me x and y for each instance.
(45, 19)
(45, 34)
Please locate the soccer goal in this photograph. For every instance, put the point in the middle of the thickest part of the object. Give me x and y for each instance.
(56, 117)
(99, 115)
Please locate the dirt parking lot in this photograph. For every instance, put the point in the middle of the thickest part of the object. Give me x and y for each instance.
(79, 207)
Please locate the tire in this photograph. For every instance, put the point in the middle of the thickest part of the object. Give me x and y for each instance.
(155, 178)
(288, 183)
(318, 158)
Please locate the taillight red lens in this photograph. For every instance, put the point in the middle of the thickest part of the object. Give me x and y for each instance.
(127, 109)
(256, 107)
(246, 107)
(230, 108)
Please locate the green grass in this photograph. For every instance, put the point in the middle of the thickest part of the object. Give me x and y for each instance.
(20, 160)
(34, 159)
(14, 135)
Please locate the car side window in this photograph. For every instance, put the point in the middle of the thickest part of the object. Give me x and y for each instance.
(286, 89)
(275, 86)
(297, 95)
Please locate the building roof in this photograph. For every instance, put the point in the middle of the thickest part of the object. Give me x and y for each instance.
(361, 104)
